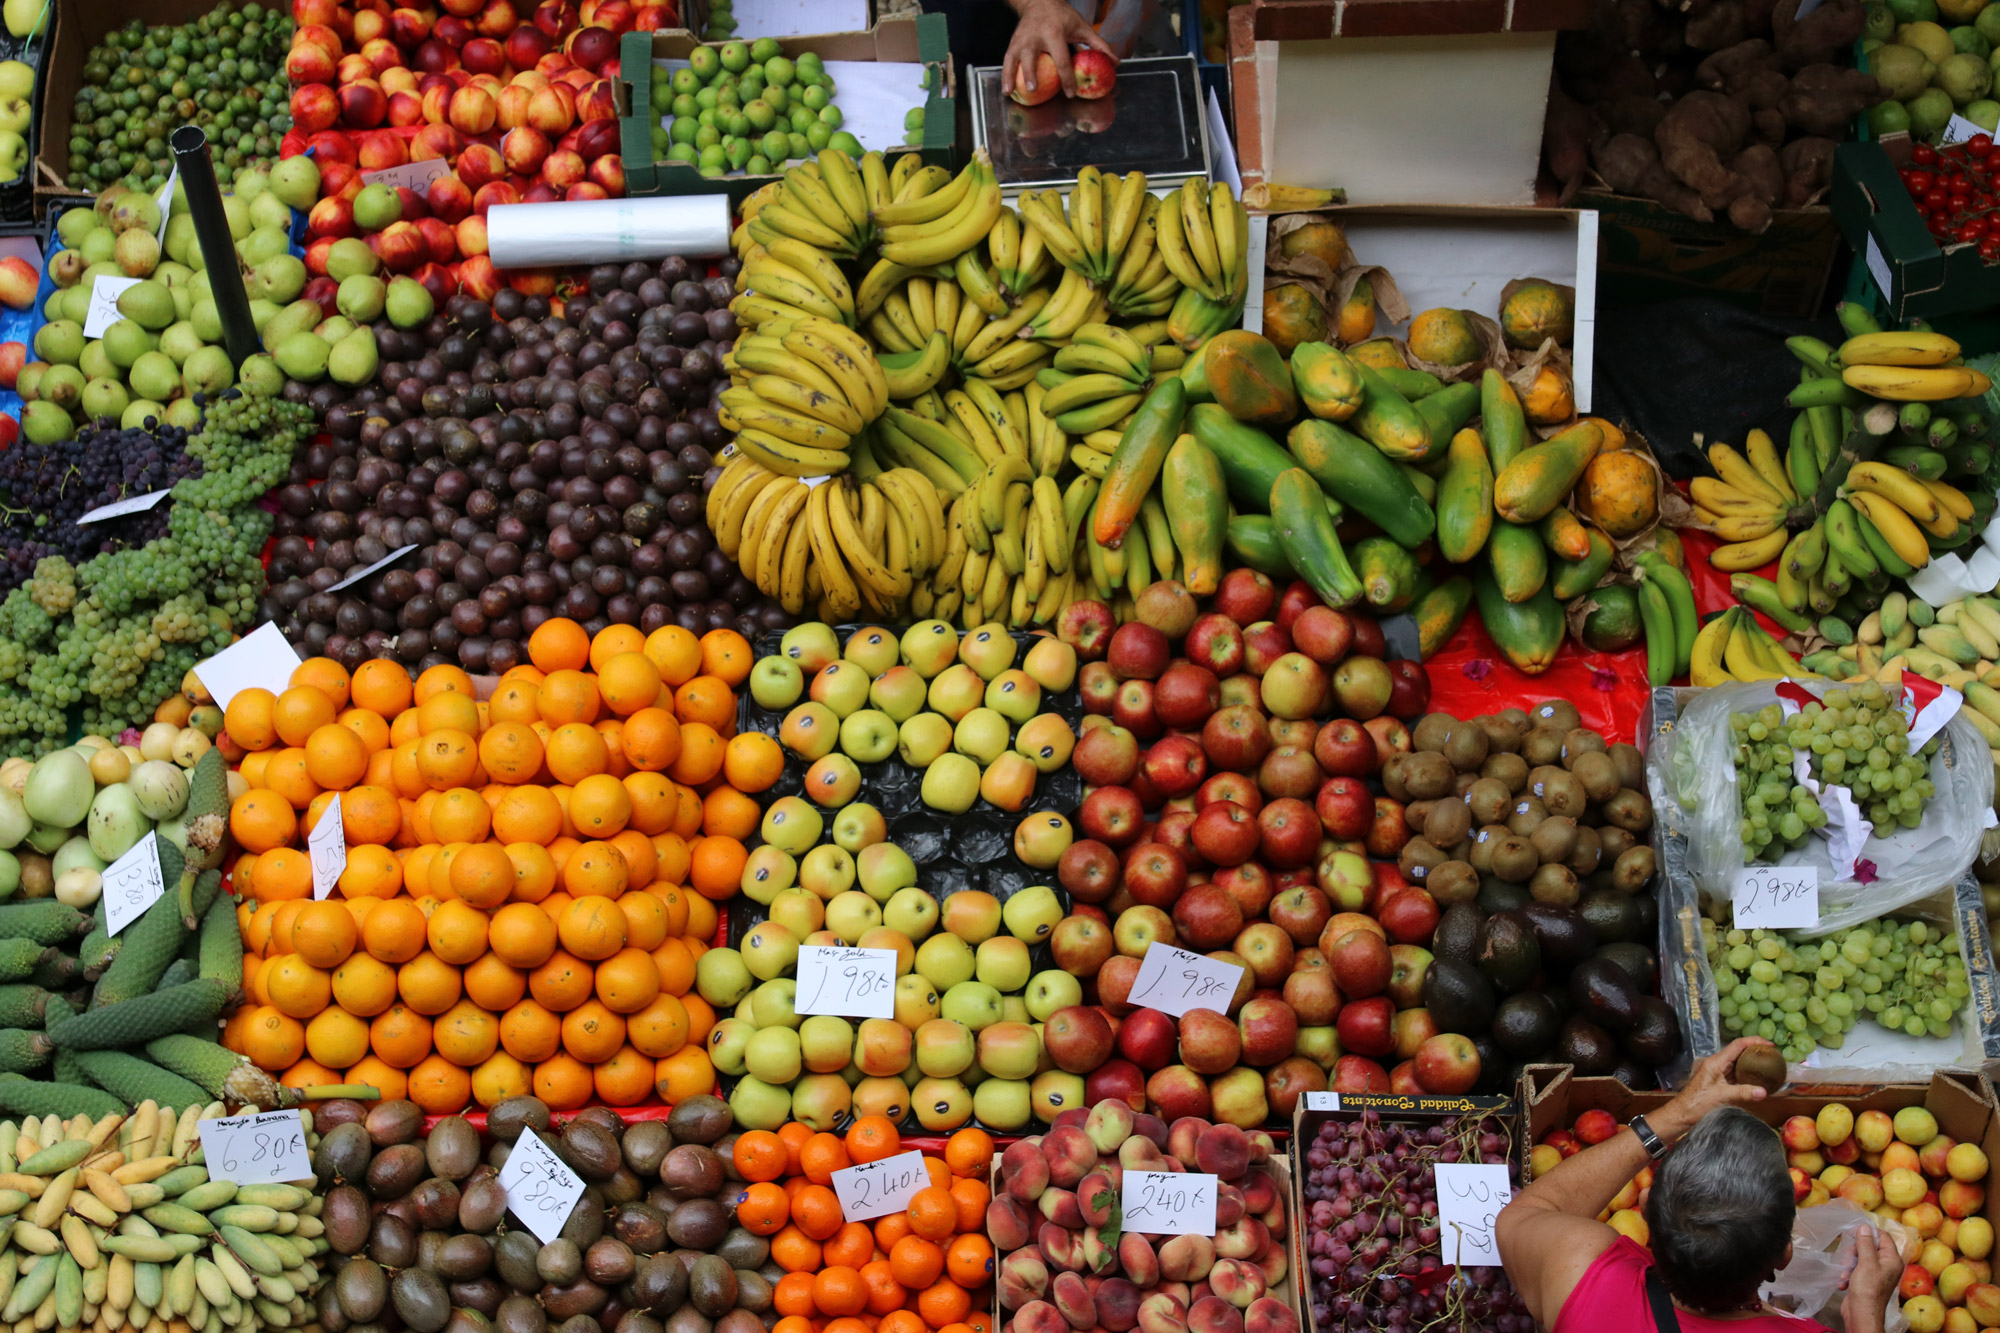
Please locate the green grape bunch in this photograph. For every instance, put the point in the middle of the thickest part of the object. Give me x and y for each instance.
(1908, 976)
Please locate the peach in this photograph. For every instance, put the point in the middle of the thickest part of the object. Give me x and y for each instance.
(1070, 1155)
(1900, 1156)
(1073, 1299)
(1259, 1194)
(1184, 1133)
(1245, 1240)
(1187, 1258)
(1096, 1195)
(1268, 1314)
(1959, 1198)
(1229, 1206)
(1800, 1134)
(1062, 1247)
(1274, 1263)
(1222, 1151)
(1150, 1126)
(1138, 1258)
(1059, 1206)
(1237, 1281)
(1108, 1125)
(1024, 1172)
(1038, 1317)
(1975, 1237)
(1137, 1154)
(1162, 1313)
(1864, 1191)
(1008, 1223)
(1023, 1277)
(1212, 1314)
(1965, 1161)
(1875, 1130)
(1117, 1304)
(1926, 1219)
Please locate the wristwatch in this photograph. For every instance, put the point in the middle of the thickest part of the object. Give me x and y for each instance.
(1647, 1138)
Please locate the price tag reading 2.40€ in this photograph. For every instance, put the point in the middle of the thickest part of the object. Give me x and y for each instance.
(541, 1189)
(875, 1189)
(1180, 1203)
(1175, 981)
(848, 983)
(256, 1149)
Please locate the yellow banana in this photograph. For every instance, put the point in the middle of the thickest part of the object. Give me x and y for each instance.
(1740, 656)
(987, 400)
(792, 460)
(843, 181)
(1044, 218)
(876, 285)
(1898, 348)
(1200, 233)
(927, 371)
(1736, 470)
(1747, 527)
(1121, 220)
(919, 295)
(1951, 499)
(1086, 216)
(875, 180)
(999, 332)
(1229, 231)
(918, 204)
(1724, 498)
(1705, 667)
(1897, 487)
(1916, 384)
(870, 570)
(1763, 455)
(1896, 527)
(803, 398)
(978, 285)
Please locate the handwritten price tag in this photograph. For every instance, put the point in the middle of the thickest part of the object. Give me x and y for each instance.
(134, 504)
(875, 1189)
(1322, 1101)
(103, 312)
(327, 847)
(1470, 1197)
(411, 175)
(541, 1189)
(133, 883)
(1776, 897)
(1178, 1202)
(1958, 129)
(256, 1149)
(1175, 981)
(263, 658)
(849, 983)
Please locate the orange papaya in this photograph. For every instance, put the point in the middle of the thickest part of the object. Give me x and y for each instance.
(1564, 534)
(1520, 563)
(1541, 476)
(1249, 378)
(1439, 612)
(1357, 317)
(1136, 462)
(1197, 505)
(1465, 499)
(1328, 383)
(1253, 540)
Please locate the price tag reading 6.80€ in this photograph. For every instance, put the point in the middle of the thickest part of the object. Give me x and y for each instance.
(848, 983)
(541, 1189)
(874, 1189)
(256, 1149)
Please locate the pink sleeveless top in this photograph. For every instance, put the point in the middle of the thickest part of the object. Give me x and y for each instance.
(1612, 1296)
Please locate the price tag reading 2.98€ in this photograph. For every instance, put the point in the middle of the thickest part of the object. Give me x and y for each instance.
(875, 1189)
(1179, 1203)
(256, 1149)
(541, 1189)
(848, 983)
(1175, 981)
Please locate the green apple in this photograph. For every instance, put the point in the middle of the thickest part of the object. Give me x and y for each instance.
(721, 978)
(826, 1043)
(1002, 1104)
(923, 738)
(973, 915)
(1054, 1092)
(873, 648)
(916, 1000)
(1014, 1009)
(773, 1055)
(941, 1103)
(757, 1104)
(943, 960)
(826, 872)
(773, 1004)
(770, 950)
(929, 646)
(727, 1041)
(899, 692)
(776, 682)
(859, 826)
(1002, 963)
(798, 910)
(850, 916)
(951, 784)
(911, 911)
(791, 825)
(956, 691)
(811, 645)
(944, 1048)
(988, 650)
(973, 1003)
(1009, 1050)
(1051, 990)
(1014, 695)
(884, 868)
(841, 686)
(820, 1102)
(1041, 838)
(868, 735)
(981, 735)
(767, 873)
(1032, 913)
(1052, 663)
(746, 1010)
(17, 78)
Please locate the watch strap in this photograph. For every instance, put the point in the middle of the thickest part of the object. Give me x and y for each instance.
(1647, 1138)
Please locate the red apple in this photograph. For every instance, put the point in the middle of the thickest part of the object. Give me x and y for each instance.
(1264, 642)
(1148, 1039)
(1106, 756)
(1033, 87)
(1289, 771)
(1216, 642)
(1269, 1030)
(1291, 833)
(1096, 73)
(1098, 687)
(1390, 831)
(1409, 963)
(1344, 749)
(1207, 918)
(1409, 690)
(1403, 1080)
(1235, 739)
(1086, 626)
(1364, 1025)
(1410, 917)
(1355, 1073)
(1361, 965)
(1301, 912)
(1368, 640)
(1175, 830)
(1226, 834)
(1155, 875)
(1175, 765)
(1323, 634)
(1391, 738)
(1246, 596)
(1089, 870)
(1297, 598)
(1237, 787)
(1294, 687)
(1133, 709)
(1138, 652)
(1250, 885)
(1186, 695)
(1345, 807)
(1111, 815)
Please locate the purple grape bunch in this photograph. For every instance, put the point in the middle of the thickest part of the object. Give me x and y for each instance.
(45, 488)
(1371, 1228)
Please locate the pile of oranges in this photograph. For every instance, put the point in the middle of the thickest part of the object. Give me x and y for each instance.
(530, 876)
(927, 1269)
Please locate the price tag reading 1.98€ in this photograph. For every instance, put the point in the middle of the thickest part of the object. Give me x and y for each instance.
(1179, 1203)
(1175, 981)
(875, 1189)
(541, 1189)
(256, 1149)
(848, 983)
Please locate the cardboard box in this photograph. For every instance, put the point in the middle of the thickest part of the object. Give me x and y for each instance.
(1916, 276)
(914, 41)
(1652, 253)
(1323, 95)
(1462, 257)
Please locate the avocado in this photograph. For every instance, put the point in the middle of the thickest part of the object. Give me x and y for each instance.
(1613, 915)
(1457, 934)
(1634, 1074)
(1605, 994)
(1566, 938)
(1509, 954)
(1649, 915)
(1459, 996)
(1587, 1046)
(1493, 1064)
(1497, 895)
(1526, 1025)
(1638, 962)
(1655, 1037)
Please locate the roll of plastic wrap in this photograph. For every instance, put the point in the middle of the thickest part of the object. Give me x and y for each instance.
(606, 231)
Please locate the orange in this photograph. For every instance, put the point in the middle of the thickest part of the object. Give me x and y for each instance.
(297, 988)
(706, 701)
(727, 654)
(261, 820)
(562, 982)
(460, 815)
(336, 1038)
(370, 814)
(251, 718)
(369, 727)
(273, 1040)
(307, 1073)
(752, 761)
(890, 1228)
(527, 814)
(652, 739)
(511, 752)
(759, 1156)
(336, 757)
(675, 652)
(394, 932)
(567, 697)
(612, 640)
(591, 1032)
(284, 918)
(943, 1303)
(686, 1073)
(599, 806)
(521, 935)
(852, 1245)
(456, 932)
(466, 1034)
(885, 1294)
(794, 1136)
(576, 750)
(324, 934)
(563, 1082)
(428, 984)
(494, 985)
(483, 876)
(447, 758)
(654, 801)
(514, 701)
(529, 1032)
(596, 869)
(701, 754)
(442, 680)
(969, 1259)
(909, 1321)
(794, 1293)
(640, 858)
(971, 1196)
(364, 985)
(762, 1210)
(816, 1211)
(372, 872)
(439, 1086)
(400, 1035)
(871, 1138)
(728, 813)
(916, 1262)
(660, 1029)
(687, 811)
(324, 674)
(559, 644)
(300, 711)
(285, 773)
(838, 1290)
(969, 1152)
(822, 1155)
(628, 981)
(500, 1077)
(592, 928)
(629, 682)
(534, 872)
(381, 686)
(626, 1079)
(378, 1073)
(933, 1213)
(716, 868)
(645, 921)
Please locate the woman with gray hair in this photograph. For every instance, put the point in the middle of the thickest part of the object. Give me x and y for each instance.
(1720, 1215)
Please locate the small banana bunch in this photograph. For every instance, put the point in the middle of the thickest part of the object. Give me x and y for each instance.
(115, 1224)
(1019, 260)
(1746, 502)
(921, 230)
(800, 391)
(1149, 552)
(825, 202)
(1957, 644)
(1908, 366)
(1096, 381)
(1733, 647)
(1667, 613)
(953, 438)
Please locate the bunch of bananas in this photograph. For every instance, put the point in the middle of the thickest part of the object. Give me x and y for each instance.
(1733, 647)
(800, 390)
(1956, 644)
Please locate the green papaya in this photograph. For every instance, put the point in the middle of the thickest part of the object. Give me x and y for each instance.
(1439, 612)
(1611, 619)
(1390, 422)
(1573, 578)
(1520, 562)
(1564, 534)
(1529, 633)
(1194, 376)
(1502, 422)
(1447, 411)
(1248, 377)
(1253, 540)
(1355, 473)
(1328, 383)
(1464, 499)
(1426, 484)
(1541, 476)
(1250, 459)
(1388, 573)
(1412, 384)
(1197, 506)
(1307, 537)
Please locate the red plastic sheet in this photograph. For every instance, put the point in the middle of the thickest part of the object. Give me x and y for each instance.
(1470, 676)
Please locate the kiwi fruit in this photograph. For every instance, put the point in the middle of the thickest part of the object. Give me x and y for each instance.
(1630, 763)
(1760, 1065)
(1583, 853)
(1509, 769)
(1597, 773)
(1632, 869)
(1525, 815)
(1629, 810)
(1479, 853)
(1395, 777)
(1415, 813)
(1513, 859)
(1431, 731)
(1613, 842)
(1453, 882)
(1488, 799)
(1461, 782)
(1560, 714)
(1447, 823)
(1579, 741)
(1503, 731)
(1554, 838)
(1562, 794)
(1466, 747)
(1418, 856)
(1554, 884)
(1543, 745)
(1427, 776)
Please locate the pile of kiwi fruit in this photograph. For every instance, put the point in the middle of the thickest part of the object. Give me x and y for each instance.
(1533, 835)
(426, 1241)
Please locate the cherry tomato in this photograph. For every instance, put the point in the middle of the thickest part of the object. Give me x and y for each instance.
(1924, 155)
(1979, 145)
(1936, 199)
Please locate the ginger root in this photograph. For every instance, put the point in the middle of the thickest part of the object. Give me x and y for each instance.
(1808, 167)
(1821, 37)
(1763, 181)
(1696, 135)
